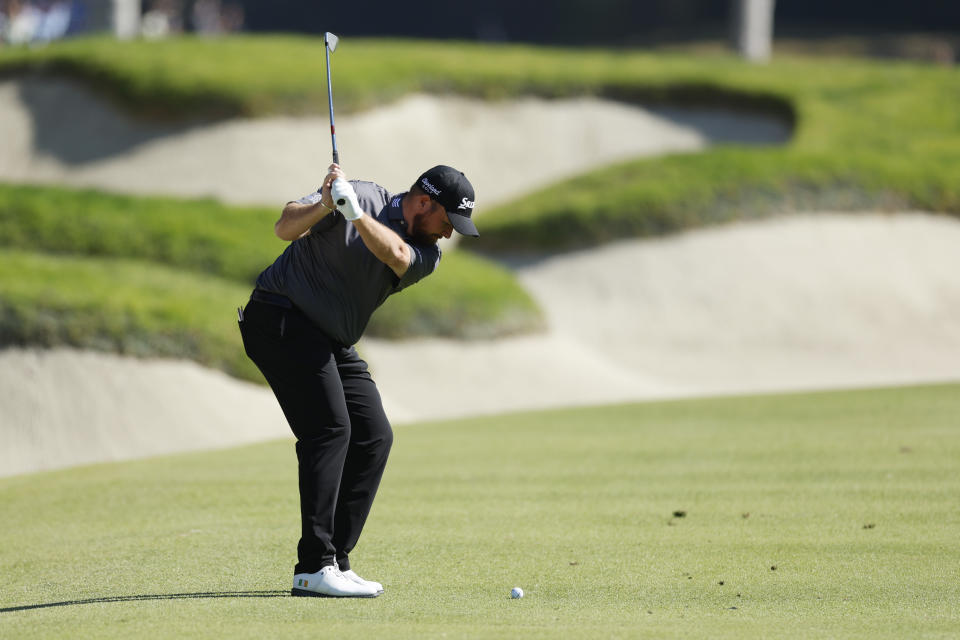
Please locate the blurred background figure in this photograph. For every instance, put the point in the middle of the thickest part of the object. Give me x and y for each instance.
(206, 17)
(755, 29)
(163, 18)
(212, 17)
(23, 20)
(39, 21)
(54, 20)
(32, 22)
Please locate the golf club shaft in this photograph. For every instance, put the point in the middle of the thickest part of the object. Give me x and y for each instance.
(333, 129)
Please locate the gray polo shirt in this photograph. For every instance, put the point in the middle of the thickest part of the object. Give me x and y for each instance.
(334, 279)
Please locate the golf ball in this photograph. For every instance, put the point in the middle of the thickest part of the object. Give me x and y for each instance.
(516, 592)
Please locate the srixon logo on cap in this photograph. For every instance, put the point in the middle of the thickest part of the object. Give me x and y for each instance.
(466, 204)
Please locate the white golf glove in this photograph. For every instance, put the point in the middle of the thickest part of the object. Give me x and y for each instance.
(345, 199)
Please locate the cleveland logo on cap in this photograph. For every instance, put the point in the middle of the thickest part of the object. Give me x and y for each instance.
(429, 188)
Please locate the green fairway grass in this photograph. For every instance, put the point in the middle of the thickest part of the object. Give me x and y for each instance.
(828, 515)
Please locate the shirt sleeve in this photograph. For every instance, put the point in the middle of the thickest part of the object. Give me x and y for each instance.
(326, 221)
(313, 198)
(423, 262)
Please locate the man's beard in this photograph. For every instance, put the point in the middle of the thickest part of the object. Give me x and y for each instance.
(418, 233)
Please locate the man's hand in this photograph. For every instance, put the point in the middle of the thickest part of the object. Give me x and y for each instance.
(345, 199)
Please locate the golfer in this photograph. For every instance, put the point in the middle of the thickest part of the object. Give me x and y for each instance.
(352, 245)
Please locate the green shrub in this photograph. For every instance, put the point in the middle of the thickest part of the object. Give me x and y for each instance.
(199, 235)
(121, 306)
(652, 197)
(868, 136)
(467, 297)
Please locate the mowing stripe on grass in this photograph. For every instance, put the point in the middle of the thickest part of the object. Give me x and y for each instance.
(826, 515)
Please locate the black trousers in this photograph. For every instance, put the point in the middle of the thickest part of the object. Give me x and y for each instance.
(334, 409)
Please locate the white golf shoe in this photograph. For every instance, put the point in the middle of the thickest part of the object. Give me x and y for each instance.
(329, 582)
(350, 574)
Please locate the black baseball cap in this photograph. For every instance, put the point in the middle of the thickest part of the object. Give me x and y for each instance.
(451, 189)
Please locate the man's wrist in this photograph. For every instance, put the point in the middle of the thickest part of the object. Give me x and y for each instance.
(351, 211)
(346, 198)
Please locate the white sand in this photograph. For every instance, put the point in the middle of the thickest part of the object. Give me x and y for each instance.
(808, 301)
(803, 302)
(58, 132)
(66, 407)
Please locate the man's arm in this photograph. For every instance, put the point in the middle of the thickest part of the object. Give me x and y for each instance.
(383, 242)
(297, 218)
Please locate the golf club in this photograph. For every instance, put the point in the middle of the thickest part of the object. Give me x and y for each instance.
(330, 45)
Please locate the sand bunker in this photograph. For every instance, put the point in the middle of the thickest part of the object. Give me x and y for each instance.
(59, 132)
(65, 407)
(803, 302)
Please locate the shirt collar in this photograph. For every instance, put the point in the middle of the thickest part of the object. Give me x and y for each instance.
(395, 211)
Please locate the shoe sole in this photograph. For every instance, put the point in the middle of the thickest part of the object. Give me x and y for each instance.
(304, 593)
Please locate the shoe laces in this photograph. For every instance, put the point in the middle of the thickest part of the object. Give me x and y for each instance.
(336, 571)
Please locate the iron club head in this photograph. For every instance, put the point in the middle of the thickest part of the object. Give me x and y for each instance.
(330, 40)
